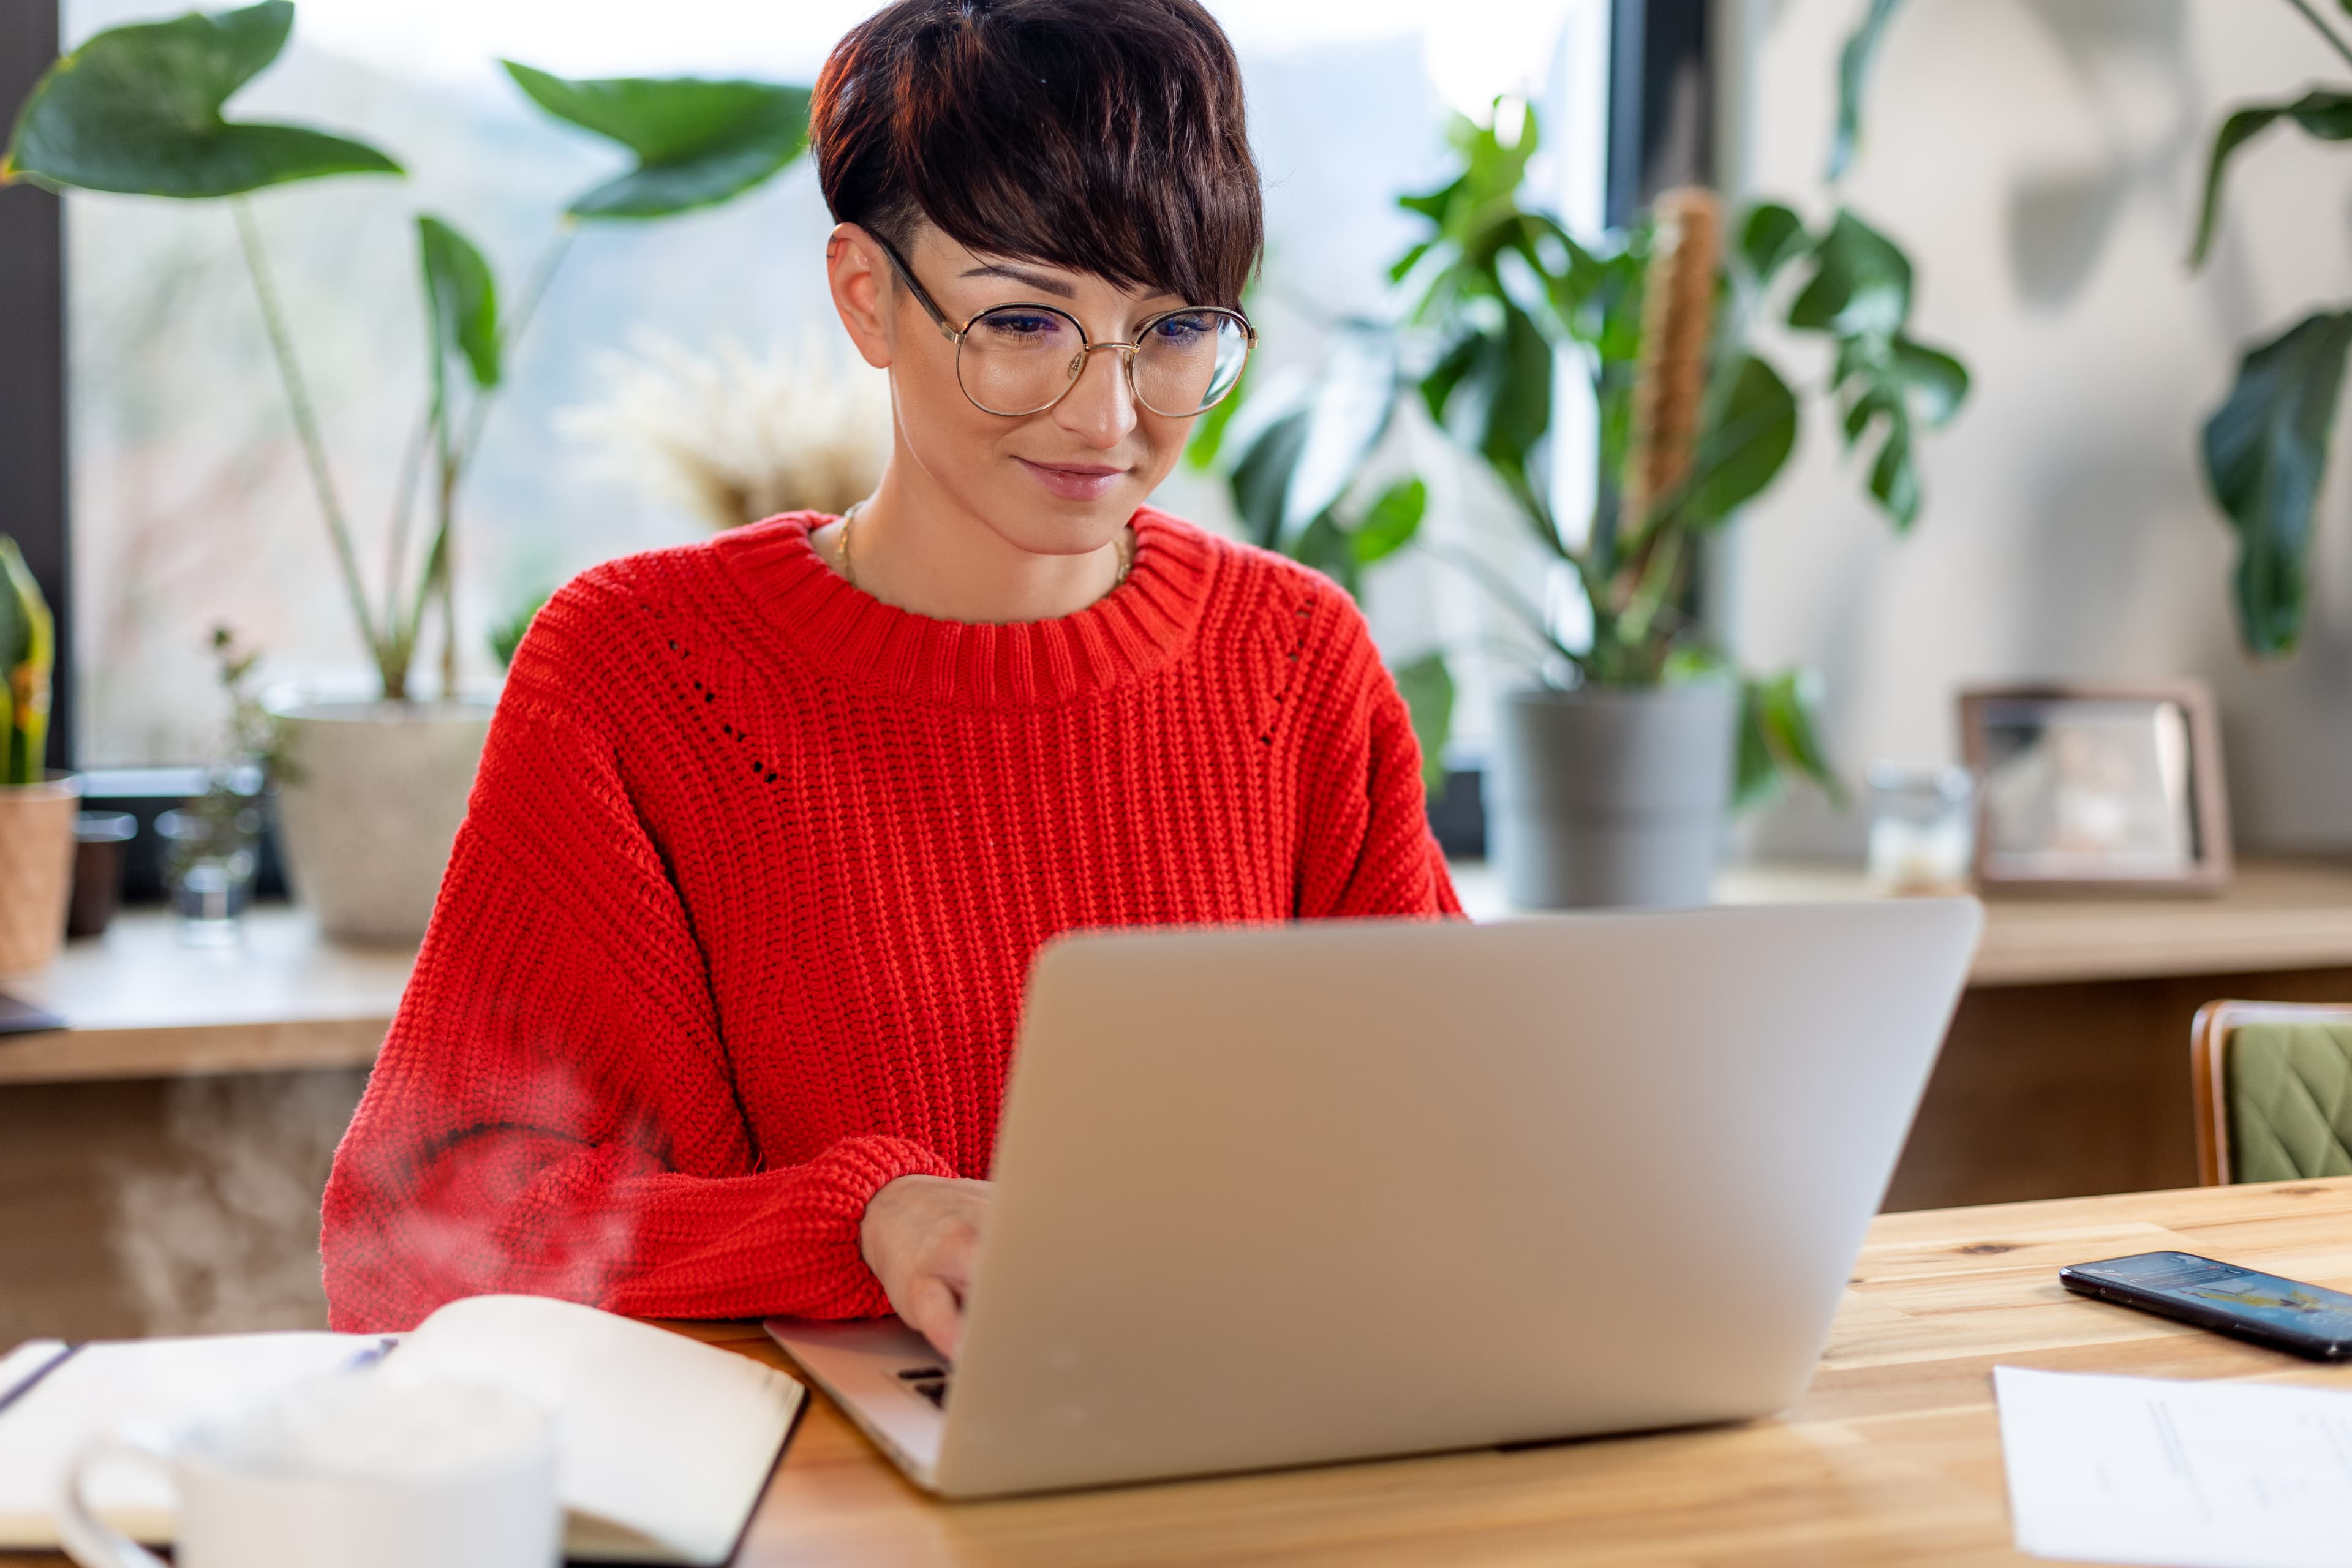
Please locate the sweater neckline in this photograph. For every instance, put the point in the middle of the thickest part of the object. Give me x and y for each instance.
(1131, 631)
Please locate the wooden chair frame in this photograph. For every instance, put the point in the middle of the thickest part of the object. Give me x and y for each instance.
(2208, 1045)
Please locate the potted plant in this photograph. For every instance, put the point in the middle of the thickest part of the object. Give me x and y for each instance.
(36, 808)
(1613, 770)
(139, 110)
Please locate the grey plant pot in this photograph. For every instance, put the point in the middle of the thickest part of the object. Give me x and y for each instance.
(369, 819)
(1611, 796)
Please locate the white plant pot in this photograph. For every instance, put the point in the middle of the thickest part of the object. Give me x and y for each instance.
(368, 819)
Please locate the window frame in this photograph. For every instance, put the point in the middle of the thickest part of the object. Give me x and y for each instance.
(35, 493)
(1661, 79)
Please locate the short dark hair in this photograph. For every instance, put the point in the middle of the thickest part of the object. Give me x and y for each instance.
(1105, 136)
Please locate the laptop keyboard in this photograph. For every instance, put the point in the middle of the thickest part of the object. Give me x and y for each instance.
(931, 1381)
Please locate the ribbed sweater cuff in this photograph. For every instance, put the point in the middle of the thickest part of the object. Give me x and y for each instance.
(783, 1242)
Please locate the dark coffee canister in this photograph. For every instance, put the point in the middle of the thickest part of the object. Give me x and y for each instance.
(99, 838)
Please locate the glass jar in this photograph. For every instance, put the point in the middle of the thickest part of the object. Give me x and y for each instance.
(211, 848)
(1922, 828)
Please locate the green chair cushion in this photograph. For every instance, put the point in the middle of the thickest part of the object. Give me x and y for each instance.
(2289, 1089)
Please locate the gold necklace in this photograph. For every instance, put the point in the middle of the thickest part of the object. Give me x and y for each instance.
(1125, 544)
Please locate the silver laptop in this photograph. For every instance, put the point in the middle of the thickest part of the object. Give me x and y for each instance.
(1290, 1196)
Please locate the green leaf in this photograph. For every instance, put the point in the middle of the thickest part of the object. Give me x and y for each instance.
(1861, 284)
(1502, 407)
(138, 109)
(697, 142)
(1260, 477)
(1769, 239)
(2266, 452)
(1209, 430)
(507, 636)
(1894, 476)
(1780, 738)
(2322, 113)
(1749, 431)
(1427, 687)
(1393, 520)
(1326, 547)
(27, 657)
(1347, 412)
(1940, 381)
(1855, 63)
(461, 299)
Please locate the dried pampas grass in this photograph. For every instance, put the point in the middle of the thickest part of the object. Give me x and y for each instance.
(733, 436)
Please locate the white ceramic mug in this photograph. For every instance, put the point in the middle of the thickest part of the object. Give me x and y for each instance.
(362, 1470)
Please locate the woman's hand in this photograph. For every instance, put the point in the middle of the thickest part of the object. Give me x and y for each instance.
(919, 1236)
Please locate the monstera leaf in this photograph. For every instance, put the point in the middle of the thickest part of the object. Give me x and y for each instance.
(138, 109)
(1860, 297)
(697, 142)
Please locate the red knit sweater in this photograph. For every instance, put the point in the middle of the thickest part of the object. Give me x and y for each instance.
(736, 928)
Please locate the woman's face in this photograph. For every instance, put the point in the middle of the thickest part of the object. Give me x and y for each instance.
(1058, 482)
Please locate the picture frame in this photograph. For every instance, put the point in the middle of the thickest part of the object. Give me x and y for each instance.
(2098, 789)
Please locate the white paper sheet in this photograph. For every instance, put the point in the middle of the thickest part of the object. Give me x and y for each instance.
(2182, 1474)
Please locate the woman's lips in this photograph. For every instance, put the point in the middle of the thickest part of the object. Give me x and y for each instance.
(1075, 482)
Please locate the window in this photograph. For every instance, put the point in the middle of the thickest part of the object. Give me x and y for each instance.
(190, 507)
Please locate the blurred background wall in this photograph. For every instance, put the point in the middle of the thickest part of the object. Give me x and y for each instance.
(2041, 160)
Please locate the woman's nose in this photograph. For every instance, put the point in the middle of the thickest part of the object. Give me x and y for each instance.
(1100, 408)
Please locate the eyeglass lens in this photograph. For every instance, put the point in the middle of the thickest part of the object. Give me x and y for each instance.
(1020, 359)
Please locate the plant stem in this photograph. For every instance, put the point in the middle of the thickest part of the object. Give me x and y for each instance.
(454, 456)
(404, 513)
(306, 426)
(2334, 41)
(534, 289)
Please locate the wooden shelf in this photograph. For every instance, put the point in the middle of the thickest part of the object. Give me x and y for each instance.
(2276, 915)
(139, 1003)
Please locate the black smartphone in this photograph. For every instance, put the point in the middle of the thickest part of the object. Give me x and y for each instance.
(2285, 1314)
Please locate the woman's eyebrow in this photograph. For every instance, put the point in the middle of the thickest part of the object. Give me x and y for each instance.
(1020, 275)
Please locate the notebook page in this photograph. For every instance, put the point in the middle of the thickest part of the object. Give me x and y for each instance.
(164, 1382)
(666, 1444)
(2187, 1475)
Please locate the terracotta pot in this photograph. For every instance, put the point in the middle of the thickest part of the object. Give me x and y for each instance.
(37, 854)
(368, 822)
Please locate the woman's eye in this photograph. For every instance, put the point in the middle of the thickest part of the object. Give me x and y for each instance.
(1024, 326)
(1184, 330)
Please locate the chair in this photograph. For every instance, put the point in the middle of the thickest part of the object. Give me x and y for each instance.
(2273, 1082)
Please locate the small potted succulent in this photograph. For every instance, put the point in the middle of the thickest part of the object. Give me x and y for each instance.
(36, 808)
(140, 109)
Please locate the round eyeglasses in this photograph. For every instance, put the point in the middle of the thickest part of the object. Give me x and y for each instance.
(1018, 360)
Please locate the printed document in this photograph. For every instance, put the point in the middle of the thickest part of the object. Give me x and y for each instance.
(2182, 1474)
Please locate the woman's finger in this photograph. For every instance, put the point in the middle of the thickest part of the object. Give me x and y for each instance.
(931, 1311)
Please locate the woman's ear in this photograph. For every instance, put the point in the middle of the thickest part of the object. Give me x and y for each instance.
(860, 280)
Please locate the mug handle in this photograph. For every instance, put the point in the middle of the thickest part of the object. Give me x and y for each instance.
(87, 1540)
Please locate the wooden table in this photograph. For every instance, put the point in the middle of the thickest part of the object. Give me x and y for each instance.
(1894, 1456)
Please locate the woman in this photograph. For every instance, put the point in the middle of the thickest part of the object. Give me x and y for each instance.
(716, 1011)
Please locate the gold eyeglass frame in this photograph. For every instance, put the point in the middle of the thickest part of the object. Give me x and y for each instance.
(1088, 348)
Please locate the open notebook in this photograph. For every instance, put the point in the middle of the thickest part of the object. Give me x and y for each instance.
(666, 1444)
